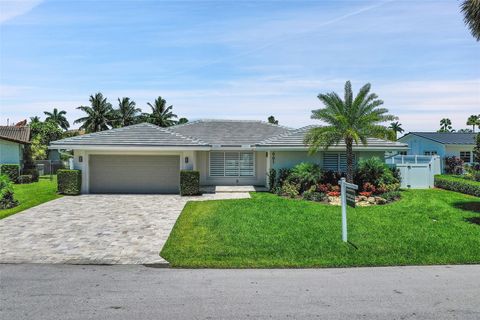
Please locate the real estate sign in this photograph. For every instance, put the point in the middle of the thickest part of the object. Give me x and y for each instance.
(347, 193)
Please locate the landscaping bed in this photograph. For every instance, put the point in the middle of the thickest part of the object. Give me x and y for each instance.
(425, 227)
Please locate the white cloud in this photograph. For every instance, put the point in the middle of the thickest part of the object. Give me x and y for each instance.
(10, 9)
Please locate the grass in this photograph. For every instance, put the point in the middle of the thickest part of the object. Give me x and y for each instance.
(425, 227)
(32, 194)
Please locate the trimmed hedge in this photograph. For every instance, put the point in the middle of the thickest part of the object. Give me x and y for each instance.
(189, 183)
(32, 172)
(69, 181)
(12, 171)
(24, 179)
(458, 184)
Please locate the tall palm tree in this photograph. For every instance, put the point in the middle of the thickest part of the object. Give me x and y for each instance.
(473, 120)
(446, 125)
(100, 114)
(58, 117)
(471, 12)
(396, 127)
(351, 120)
(127, 112)
(161, 114)
(35, 119)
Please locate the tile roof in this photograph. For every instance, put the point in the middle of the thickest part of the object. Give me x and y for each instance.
(446, 137)
(20, 134)
(143, 134)
(295, 138)
(230, 132)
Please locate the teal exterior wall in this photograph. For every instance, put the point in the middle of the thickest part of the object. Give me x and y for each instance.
(11, 152)
(289, 159)
(418, 145)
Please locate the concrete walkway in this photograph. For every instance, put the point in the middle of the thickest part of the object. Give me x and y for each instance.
(95, 229)
(137, 292)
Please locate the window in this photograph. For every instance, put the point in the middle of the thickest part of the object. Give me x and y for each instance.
(232, 164)
(430, 153)
(336, 162)
(465, 156)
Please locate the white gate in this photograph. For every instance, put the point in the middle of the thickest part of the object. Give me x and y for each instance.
(417, 172)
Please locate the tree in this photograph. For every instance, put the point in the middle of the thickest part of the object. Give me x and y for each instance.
(446, 125)
(272, 120)
(161, 114)
(42, 133)
(127, 113)
(471, 12)
(35, 119)
(100, 114)
(476, 149)
(396, 127)
(58, 117)
(473, 121)
(465, 131)
(351, 120)
(182, 120)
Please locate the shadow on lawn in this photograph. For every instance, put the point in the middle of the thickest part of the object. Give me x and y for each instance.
(473, 207)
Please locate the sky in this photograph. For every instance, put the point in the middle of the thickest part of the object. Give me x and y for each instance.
(239, 59)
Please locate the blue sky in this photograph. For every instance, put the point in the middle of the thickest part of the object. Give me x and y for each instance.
(239, 59)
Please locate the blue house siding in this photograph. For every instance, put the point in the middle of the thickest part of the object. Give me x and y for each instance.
(10, 152)
(419, 145)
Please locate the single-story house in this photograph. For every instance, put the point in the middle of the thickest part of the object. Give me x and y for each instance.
(443, 144)
(145, 158)
(12, 142)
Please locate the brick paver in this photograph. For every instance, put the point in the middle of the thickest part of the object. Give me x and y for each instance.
(95, 229)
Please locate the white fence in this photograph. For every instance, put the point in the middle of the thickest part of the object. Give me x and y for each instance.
(417, 172)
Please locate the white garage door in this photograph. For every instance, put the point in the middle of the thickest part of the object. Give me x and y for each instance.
(134, 174)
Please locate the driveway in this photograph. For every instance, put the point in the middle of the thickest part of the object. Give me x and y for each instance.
(95, 229)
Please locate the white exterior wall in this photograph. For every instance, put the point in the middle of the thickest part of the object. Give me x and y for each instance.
(83, 166)
(454, 150)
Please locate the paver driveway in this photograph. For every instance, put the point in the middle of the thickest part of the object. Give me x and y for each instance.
(94, 229)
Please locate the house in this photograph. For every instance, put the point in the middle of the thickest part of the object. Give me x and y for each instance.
(145, 158)
(443, 144)
(12, 142)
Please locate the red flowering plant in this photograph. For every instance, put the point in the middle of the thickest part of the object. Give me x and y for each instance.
(334, 193)
(365, 193)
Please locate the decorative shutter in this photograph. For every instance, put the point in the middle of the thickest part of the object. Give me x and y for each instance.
(217, 164)
(247, 164)
(330, 162)
(231, 164)
(343, 162)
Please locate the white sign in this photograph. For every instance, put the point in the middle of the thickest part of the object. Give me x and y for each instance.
(344, 188)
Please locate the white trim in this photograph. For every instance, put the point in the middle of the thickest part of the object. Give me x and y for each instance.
(392, 148)
(127, 148)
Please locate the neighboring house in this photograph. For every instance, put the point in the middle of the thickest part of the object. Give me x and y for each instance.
(145, 158)
(443, 144)
(12, 142)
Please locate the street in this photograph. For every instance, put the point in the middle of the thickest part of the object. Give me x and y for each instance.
(34, 291)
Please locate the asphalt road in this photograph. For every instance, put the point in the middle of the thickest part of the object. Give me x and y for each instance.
(138, 292)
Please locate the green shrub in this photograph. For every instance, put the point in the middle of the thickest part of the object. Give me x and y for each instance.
(374, 171)
(306, 175)
(312, 195)
(283, 174)
(69, 181)
(272, 179)
(12, 171)
(458, 184)
(391, 195)
(189, 183)
(24, 179)
(290, 189)
(7, 199)
(32, 172)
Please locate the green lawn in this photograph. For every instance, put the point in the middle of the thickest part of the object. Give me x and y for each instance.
(425, 227)
(32, 194)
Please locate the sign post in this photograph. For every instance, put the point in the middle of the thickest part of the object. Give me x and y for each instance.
(347, 192)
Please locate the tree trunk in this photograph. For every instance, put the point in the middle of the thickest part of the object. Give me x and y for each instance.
(349, 143)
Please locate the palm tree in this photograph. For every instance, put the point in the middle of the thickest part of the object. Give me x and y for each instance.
(127, 113)
(182, 121)
(471, 12)
(99, 116)
(396, 127)
(473, 120)
(349, 120)
(161, 114)
(446, 125)
(35, 119)
(58, 117)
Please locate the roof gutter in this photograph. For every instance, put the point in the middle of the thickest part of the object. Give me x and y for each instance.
(126, 147)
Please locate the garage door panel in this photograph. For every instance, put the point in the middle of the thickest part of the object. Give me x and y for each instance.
(134, 174)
